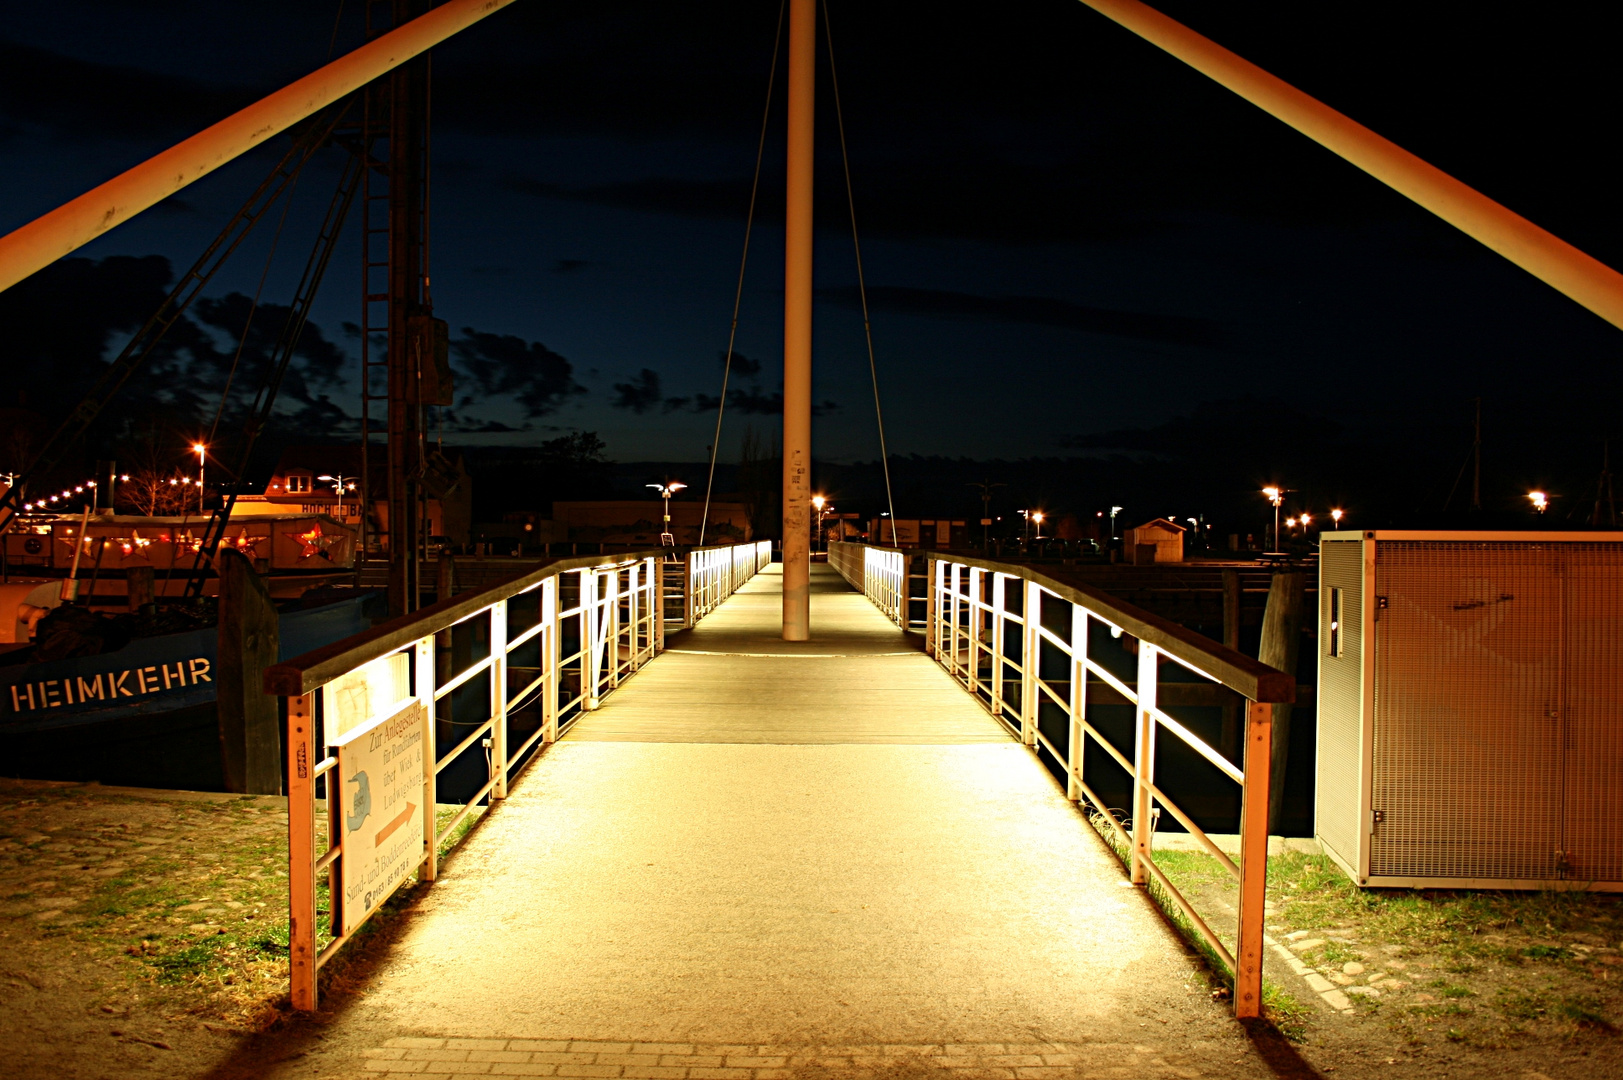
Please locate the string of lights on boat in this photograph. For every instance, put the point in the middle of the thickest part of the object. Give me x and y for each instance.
(88, 489)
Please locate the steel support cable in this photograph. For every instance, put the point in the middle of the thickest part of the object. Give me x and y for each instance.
(862, 285)
(743, 261)
(146, 339)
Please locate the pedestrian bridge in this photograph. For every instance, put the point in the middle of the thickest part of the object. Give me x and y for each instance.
(834, 853)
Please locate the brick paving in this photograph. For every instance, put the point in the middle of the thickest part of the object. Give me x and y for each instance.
(425, 1057)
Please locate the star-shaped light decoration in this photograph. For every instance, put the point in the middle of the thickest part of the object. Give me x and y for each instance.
(247, 545)
(315, 542)
(135, 545)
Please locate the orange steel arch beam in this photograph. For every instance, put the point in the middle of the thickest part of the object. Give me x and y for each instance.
(1547, 257)
(73, 224)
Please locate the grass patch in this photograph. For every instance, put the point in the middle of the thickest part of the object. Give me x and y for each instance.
(1188, 870)
(1547, 952)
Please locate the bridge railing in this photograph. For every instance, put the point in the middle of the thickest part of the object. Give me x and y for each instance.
(715, 573)
(1028, 647)
(881, 574)
(448, 703)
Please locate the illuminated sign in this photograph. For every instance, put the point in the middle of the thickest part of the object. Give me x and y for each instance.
(376, 805)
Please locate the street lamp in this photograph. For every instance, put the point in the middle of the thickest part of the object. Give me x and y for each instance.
(1114, 510)
(1275, 495)
(1031, 516)
(666, 490)
(1541, 501)
(1335, 516)
(202, 456)
(338, 483)
(821, 505)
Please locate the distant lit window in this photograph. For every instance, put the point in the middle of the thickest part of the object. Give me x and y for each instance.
(1333, 639)
(298, 485)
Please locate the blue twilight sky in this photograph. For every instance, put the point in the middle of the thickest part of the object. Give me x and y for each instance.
(1068, 234)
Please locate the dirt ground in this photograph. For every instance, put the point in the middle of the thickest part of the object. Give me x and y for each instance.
(141, 932)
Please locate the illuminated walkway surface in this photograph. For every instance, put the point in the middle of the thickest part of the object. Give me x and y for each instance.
(830, 846)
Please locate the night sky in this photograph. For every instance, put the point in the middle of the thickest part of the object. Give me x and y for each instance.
(1077, 248)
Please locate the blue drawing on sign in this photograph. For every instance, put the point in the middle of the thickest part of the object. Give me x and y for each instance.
(361, 806)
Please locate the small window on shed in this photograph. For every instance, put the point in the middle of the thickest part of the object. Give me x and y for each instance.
(1333, 638)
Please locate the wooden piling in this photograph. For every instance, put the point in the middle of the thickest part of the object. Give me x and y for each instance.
(250, 740)
(141, 586)
(1281, 639)
(1229, 739)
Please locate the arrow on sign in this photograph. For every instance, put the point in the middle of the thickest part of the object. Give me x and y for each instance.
(401, 819)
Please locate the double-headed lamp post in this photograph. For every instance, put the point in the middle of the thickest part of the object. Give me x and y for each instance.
(666, 490)
(201, 450)
(338, 484)
(1540, 501)
(1275, 495)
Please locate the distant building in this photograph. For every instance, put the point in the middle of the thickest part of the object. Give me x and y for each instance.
(934, 533)
(1154, 541)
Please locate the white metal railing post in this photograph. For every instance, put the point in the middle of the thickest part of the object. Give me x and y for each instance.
(1030, 660)
(1259, 731)
(691, 589)
(589, 649)
(972, 622)
(611, 636)
(423, 664)
(932, 607)
(996, 688)
(549, 658)
(1075, 748)
(498, 697)
(1143, 761)
(301, 843)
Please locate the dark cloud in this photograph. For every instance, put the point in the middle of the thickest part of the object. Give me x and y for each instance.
(640, 394)
(508, 367)
(473, 425)
(81, 98)
(1035, 310)
(741, 365)
(569, 266)
(753, 401)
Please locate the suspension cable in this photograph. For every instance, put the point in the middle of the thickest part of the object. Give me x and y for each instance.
(743, 261)
(862, 285)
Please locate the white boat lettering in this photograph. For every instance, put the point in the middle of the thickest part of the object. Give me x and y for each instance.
(109, 685)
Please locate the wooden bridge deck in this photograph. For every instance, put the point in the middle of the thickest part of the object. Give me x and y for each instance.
(762, 860)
